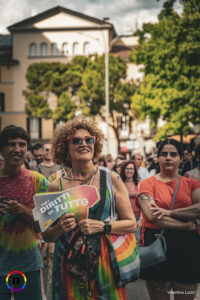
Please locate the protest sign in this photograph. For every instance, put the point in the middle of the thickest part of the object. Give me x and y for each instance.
(50, 206)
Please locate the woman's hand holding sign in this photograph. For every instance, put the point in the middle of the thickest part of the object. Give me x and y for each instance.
(90, 226)
(67, 222)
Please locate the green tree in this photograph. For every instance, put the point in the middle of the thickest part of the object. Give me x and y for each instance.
(170, 53)
(79, 85)
(65, 109)
(92, 91)
(37, 106)
(57, 78)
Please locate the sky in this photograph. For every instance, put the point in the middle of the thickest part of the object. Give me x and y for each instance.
(125, 15)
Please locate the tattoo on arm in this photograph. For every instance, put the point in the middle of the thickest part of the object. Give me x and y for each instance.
(118, 177)
(187, 210)
(145, 197)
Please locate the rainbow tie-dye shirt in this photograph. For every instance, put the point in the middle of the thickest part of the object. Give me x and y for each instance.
(18, 245)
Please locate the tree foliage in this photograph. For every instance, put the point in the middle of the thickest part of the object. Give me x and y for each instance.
(170, 54)
(92, 91)
(79, 85)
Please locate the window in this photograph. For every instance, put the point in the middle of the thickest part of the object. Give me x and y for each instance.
(43, 49)
(124, 127)
(2, 96)
(34, 127)
(65, 49)
(54, 49)
(32, 49)
(86, 49)
(76, 48)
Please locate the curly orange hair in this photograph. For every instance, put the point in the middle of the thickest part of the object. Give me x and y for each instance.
(60, 144)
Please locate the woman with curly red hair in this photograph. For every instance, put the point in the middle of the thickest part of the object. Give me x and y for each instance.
(77, 146)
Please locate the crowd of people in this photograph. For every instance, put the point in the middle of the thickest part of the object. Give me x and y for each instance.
(142, 187)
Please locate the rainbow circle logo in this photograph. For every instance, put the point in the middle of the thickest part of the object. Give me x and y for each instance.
(24, 283)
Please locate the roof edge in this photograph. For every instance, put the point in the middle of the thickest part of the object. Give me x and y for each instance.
(53, 11)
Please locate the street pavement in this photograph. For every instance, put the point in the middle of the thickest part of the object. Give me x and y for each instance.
(137, 291)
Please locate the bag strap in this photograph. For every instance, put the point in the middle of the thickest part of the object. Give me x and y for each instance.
(97, 215)
(176, 189)
(110, 190)
(173, 198)
(39, 170)
(60, 184)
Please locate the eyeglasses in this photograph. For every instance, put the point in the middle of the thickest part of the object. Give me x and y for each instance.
(172, 154)
(129, 169)
(78, 141)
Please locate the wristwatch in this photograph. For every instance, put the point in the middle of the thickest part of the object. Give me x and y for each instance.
(107, 227)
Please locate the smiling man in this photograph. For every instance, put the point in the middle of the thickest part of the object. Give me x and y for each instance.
(18, 246)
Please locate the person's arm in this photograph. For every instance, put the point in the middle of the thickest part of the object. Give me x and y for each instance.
(166, 222)
(14, 207)
(126, 222)
(189, 213)
(65, 222)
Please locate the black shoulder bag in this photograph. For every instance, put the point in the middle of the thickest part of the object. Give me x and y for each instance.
(82, 251)
(155, 252)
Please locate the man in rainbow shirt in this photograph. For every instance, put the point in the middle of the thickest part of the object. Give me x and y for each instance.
(18, 246)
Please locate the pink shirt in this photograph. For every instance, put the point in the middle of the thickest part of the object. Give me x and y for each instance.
(132, 196)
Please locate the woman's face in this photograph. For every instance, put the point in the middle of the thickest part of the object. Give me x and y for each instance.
(129, 171)
(81, 146)
(169, 158)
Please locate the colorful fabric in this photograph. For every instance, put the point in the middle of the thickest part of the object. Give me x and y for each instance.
(67, 288)
(124, 258)
(18, 245)
(162, 193)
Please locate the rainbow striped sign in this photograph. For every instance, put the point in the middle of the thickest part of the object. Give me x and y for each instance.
(51, 206)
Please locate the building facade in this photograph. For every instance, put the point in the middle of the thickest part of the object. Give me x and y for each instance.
(57, 35)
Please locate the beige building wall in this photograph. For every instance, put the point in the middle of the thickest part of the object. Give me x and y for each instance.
(18, 119)
(47, 129)
(63, 20)
(7, 85)
(97, 41)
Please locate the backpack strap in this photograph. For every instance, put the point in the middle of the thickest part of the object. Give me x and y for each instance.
(39, 170)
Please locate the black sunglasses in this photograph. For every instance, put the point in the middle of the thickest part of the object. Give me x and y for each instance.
(78, 141)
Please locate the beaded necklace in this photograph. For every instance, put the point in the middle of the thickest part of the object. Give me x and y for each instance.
(84, 181)
(65, 175)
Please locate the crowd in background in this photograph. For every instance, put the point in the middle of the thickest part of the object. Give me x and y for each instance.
(132, 172)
